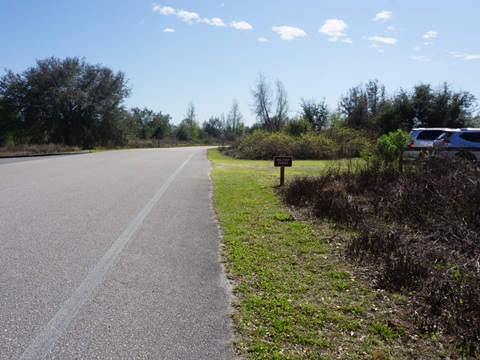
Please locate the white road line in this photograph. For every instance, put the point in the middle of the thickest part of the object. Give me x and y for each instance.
(50, 334)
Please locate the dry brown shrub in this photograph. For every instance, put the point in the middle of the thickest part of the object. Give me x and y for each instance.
(418, 233)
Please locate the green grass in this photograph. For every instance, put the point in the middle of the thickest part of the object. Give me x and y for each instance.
(295, 296)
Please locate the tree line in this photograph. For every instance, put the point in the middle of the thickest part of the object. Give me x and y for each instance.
(367, 107)
(75, 103)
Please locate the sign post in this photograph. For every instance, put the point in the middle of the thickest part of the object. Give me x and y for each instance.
(282, 162)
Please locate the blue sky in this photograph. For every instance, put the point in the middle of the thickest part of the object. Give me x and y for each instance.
(210, 52)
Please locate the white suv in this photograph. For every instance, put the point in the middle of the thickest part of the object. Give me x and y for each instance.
(463, 143)
(421, 140)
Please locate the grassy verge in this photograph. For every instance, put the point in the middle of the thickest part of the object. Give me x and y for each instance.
(295, 296)
(23, 150)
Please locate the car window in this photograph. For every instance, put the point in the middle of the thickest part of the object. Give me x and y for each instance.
(471, 136)
(445, 135)
(429, 134)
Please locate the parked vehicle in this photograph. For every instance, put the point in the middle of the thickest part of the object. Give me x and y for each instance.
(463, 143)
(421, 141)
(437, 143)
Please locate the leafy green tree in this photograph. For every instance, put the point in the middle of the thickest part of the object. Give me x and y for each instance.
(10, 126)
(368, 107)
(139, 123)
(214, 127)
(401, 114)
(362, 104)
(146, 124)
(441, 107)
(297, 127)
(160, 126)
(67, 101)
(317, 113)
(182, 132)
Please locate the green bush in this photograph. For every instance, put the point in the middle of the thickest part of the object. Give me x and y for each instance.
(297, 127)
(314, 146)
(262, 145)
(390, 146)
(330, 144)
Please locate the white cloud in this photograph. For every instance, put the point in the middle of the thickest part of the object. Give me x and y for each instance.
(430, 35)
(382, 40)
(383, 16)
(165, 10)
(419, 58)
(377, 42)
(191, 18)
(188, 17)
(169, 30)
(465, 56)
(241, 25)
(377, 47)
(335, 30)
(289, 33)
(391, 30)
(214, 22)
(262, 39)
(472, 57)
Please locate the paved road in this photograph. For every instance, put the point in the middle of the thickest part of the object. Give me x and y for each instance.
(111, 255)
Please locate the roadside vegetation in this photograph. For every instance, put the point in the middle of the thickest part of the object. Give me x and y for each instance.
(20, 150)
(416, 233)
(308, 287)
(335, 143)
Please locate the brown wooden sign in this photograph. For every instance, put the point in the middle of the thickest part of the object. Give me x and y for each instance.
(283, 161)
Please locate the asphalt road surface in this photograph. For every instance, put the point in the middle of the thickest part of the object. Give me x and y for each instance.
(111, 255)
